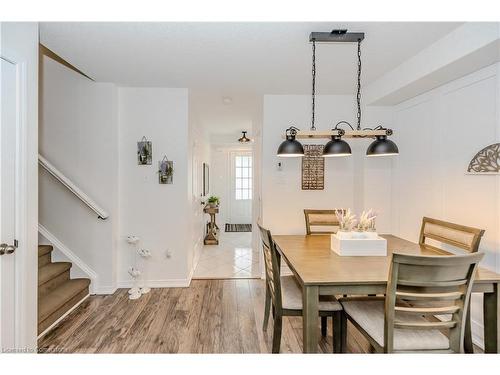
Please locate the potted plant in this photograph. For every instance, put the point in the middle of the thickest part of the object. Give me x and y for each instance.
(213, 201)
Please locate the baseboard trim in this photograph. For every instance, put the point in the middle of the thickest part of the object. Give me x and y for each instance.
(166, 283)
(62, 317)
(104, 290)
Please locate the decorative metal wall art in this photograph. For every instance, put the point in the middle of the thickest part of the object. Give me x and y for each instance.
(313, 168)
(165, 171)
(144, 152)
(486, 161)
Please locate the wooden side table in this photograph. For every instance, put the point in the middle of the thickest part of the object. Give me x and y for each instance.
(212, 236)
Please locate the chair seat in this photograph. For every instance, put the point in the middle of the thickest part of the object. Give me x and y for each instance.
(369, 315)
(291, 295)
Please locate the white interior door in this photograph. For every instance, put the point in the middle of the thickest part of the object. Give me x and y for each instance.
(8, 153)
(241, 188)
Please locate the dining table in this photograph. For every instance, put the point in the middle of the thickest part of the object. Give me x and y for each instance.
(321, 271)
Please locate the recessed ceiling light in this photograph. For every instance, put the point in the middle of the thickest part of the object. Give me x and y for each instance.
(227, 100)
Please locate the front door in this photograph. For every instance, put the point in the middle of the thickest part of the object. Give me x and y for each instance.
(8, 153)
(241, 188)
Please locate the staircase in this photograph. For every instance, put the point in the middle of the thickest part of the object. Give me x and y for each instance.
(57, 292)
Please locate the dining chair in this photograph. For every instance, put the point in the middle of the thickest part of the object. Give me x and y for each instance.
(418, 286)
(460, 237)
(456, 235)
(284, 295)
(321, 218)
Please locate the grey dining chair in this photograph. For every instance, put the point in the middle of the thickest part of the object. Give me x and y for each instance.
(284, 295)
(418, 286)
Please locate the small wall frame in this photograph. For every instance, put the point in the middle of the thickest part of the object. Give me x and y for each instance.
(165, 171)
(144, 152)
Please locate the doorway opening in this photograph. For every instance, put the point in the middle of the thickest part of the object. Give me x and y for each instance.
(233, 176)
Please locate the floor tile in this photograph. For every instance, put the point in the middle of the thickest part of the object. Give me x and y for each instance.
(232, 258)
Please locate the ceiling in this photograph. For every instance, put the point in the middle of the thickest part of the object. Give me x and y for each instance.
(223, 114)
(249, 58)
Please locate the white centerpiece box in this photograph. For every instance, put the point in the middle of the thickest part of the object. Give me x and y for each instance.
(358, 244)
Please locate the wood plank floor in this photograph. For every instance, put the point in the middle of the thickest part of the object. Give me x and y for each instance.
(211, 316)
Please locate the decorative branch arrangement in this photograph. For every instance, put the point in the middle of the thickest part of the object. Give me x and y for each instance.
(346, 219)
(367, 221)
(348, 222)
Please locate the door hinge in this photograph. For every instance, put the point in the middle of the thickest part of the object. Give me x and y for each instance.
(16, 244)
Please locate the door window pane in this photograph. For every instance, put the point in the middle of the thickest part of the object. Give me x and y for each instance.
(243, 176)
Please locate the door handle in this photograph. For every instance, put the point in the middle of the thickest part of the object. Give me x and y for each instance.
(6, 249)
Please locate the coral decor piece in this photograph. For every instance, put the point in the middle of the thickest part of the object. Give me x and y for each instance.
(367, 221)
(346, 219)
(486, 161)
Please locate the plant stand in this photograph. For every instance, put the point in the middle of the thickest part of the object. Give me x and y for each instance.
(212, 235)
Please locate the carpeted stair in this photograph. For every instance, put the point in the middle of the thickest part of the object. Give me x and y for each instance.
(57, 292)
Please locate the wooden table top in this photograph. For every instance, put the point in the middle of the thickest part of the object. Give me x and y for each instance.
(314, 263)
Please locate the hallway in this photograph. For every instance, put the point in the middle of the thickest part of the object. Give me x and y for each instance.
(232, 258)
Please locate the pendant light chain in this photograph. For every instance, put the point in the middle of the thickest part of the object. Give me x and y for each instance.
(313, 96)
(358, 95)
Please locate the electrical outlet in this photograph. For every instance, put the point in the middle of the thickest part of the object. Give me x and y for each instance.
(168, 254)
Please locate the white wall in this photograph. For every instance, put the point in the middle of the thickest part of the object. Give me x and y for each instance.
(438, 133)
(354, 182)
(199, 153)
(158, 214)
(19, 43)
(79, 135)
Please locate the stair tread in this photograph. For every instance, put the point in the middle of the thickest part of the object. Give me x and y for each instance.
(44, 249)
(59, 296)
(51, 270)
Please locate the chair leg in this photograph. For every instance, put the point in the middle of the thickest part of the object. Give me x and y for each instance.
(468, 345)
(343, 330)
(337, 331)
(324, 323)
(277, 333)
(267, 309)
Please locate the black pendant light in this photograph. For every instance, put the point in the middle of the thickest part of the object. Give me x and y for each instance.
(244, 138)
(336, 148)
(290, 147)
(382, 147)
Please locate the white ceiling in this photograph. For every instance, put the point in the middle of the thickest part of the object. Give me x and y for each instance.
(218, 117)
(250, 58)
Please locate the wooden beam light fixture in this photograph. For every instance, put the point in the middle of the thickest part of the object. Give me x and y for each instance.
(381, 146)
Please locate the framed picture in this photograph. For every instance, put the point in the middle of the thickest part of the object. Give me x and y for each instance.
(206, 179)
(144, 152)
(165, 171)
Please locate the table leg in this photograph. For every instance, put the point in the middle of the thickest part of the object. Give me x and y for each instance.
(310, 313)
(491, 311)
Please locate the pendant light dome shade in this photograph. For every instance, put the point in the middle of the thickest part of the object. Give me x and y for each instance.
(336, 148)
(290, 147)
(382, 147)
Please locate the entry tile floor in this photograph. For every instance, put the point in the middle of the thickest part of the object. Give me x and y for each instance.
(232, 258)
